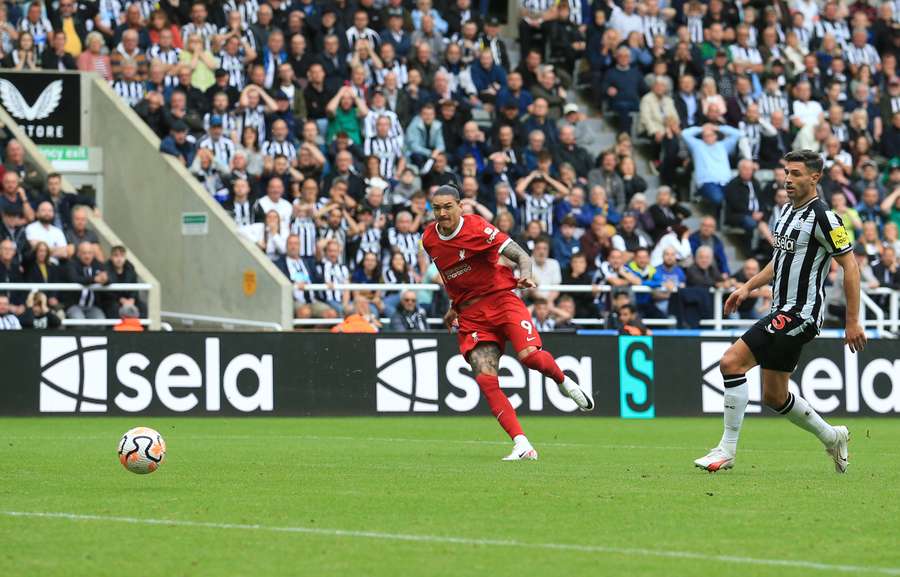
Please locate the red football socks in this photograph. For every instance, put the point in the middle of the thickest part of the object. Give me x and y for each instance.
(500, 407)
(543, 362)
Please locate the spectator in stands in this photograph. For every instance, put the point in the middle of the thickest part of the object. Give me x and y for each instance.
(849, 217)
(63, 202)
(42, 269)
(570, 152)
(546, 270)
(671, 278)
(577, 274)
(706, 236)
(11, 272)
(85, 269)
(657, 107)
(869, 208)
(42, 230)
(331, 270)
(14, 196)
(885, 272)
(760, 302)
(666, 212)
(641, 268)
(743, 206)
(120, 271)
(409, 316)
(79, 233)
(424, 138)
(301, 273)
(712, 169)
(546, 317)
(632, 182)
(38, 314)
(55, 56)
(8, 320)
(624, 85)
(608, 177)
(178, 145)
(629, 238)
(564, 242)
(703, 273)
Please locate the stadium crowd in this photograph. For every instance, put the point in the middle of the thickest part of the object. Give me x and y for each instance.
(322, 128)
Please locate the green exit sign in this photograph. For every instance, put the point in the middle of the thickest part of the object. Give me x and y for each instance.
(194, 223)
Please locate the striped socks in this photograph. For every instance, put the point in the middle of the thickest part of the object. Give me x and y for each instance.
(735, 404)
(798, 411)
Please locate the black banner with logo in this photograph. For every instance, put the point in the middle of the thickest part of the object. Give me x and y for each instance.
(298, 374)
(46, 105)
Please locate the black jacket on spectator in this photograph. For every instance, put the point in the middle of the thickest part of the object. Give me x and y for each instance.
(681, 109)
(577, 156)
(75, 273)
(665, 217)
(737, 200)
(703, 278)
(773, 148)
(9, 274)
(64, 205)
(54, 274)
(48, 320)
(51, 61)
(155, 119)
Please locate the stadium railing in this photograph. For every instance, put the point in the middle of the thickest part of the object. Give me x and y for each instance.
(75, 287)
(881, 322)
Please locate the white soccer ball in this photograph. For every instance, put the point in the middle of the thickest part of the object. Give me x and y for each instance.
(142, 450)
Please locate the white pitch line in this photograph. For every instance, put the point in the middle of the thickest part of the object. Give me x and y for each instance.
(378, 535)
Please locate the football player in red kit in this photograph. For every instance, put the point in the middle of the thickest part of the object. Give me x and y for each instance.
(466, 250)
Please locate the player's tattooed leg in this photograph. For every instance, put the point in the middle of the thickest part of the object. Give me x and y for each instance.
(485, 359)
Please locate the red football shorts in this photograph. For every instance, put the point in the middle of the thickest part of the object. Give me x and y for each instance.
(497, 318)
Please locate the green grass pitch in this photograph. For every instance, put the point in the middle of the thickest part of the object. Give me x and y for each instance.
(429, 496)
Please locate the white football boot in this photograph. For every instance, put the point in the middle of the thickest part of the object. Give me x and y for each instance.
(716, 460)
(522, 451)
(571, 389)
(838, 450)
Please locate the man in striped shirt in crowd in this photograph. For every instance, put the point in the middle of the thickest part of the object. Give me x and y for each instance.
(199, 25)
(388, 149)
(331, 270)
(806, 237)
(221, 146)
(280, 143)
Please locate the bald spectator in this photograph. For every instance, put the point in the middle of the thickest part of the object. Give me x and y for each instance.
(13, 196)
(85, 269)
(79, 233)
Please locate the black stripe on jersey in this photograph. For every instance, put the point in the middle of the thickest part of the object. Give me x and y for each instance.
(779, 257)
(821, 296)
(812, 251)
(785, 270)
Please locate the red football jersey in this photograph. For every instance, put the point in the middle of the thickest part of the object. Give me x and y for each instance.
(468, 258)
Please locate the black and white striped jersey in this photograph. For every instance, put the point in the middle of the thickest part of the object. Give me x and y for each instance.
(370, 123)
(369, 241)
(769, 103)
(300, 273)
(388, 151)
(305, 228)
(229, 123)
(205, 30)
(539, 209)
(339, 234)
(255, 117)
(336, 273)
(248, 9)
(400, 72)
(652, 26)
(131, 91)
(223, 148)
(40, 30)
(806, 237)
(695, 28)
(407, 243)
(274, 148)
(147, 7)
(866, 55)
(170, 56)
(837, 28)
(234, 65)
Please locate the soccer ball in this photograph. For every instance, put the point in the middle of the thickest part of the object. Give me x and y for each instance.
(142, 450)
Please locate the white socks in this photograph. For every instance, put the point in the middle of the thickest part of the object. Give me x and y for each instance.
(801, 414)
(735, 405)
(521, 441)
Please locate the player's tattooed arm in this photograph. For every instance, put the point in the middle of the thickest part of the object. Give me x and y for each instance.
(485, 359)
(518, 255)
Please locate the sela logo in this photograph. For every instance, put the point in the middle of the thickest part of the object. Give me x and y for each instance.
(45, 105)
(822, 383)
(636, 378)
(74, 379)
(408, 374)
(784, 243)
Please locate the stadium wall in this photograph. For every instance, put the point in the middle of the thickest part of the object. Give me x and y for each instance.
(206, 269)
(303, 374)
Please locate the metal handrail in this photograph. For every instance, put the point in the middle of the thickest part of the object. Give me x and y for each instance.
(73, 286)
(189, 319)
(98, 322)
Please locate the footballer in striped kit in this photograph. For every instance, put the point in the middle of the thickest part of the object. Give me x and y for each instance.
(808, 235)
(142, 450)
